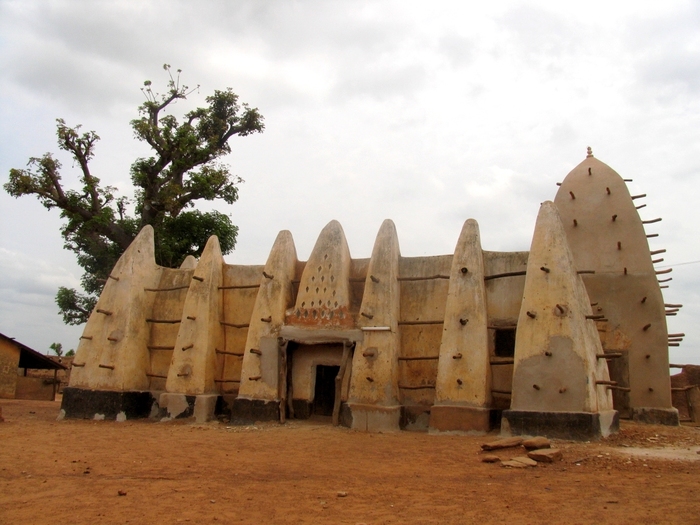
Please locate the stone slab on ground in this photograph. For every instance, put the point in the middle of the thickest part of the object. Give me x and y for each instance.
(537, 442)
(502, 443)
(490, 458)
(526, 461)
(513, 464)
(547, 455)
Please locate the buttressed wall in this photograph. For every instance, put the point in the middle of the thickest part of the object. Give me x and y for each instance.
(557, 340)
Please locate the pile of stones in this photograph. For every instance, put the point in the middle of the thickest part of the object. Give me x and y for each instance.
(539, 450)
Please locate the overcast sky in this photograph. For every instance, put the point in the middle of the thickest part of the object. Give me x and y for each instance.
(425, 113)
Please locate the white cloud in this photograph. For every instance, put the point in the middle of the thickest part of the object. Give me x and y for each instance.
(426, 114)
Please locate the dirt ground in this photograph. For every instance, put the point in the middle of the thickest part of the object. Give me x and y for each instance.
(86, 472)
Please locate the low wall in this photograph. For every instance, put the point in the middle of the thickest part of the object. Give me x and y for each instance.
(34, 388)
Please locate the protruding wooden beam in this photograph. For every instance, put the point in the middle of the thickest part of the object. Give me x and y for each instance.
(609, 355)
(237, 354)
(500, 275)
(174, 288)
(234, 325)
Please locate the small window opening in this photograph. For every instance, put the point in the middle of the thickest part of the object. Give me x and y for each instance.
(504, 343)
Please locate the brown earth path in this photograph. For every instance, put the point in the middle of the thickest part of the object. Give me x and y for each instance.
(177, 472)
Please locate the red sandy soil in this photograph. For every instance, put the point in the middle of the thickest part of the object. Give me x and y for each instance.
(88, 472)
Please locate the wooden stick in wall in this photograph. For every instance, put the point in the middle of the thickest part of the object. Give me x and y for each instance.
(339, 382)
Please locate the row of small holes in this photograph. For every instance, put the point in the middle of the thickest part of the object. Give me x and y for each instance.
(314, 314)
(320, 303)
(318, 289)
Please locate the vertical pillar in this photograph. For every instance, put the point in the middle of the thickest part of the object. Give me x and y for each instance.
(190, 385)
(463, 387)
(373, 400)
(258, 393)
(560, 381)
(109, 369)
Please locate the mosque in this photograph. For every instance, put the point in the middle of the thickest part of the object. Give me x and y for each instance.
(559, 341)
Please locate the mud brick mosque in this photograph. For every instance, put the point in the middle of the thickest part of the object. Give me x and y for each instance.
(560, 341)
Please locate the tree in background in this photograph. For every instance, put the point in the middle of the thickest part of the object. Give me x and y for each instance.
(184, 168)
(57, 348)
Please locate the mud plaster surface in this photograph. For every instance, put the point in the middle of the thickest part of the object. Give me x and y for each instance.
(177, 472)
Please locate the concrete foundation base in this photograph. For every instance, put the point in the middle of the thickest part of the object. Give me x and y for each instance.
(248, 411)
(302, 408)
(655, 416)
(415, 417)
(562, 425)
(79, 403)
(345, 418)
(224, 404)
(177, 406)
(447, 418)
(372, 418)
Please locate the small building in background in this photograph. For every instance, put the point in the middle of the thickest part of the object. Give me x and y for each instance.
(16, 362)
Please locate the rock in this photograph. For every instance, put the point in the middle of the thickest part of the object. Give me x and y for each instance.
(502, 443)
(537, 443)
(547, 455)
(489, 458)
(526, 461)
(122, 493)
(342, 494)
(1, 418)
(513, 464)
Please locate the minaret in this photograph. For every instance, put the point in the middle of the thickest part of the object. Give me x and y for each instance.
(609, 242)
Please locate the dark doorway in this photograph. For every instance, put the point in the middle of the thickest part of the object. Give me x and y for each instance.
(504, 343)
(324, 393)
